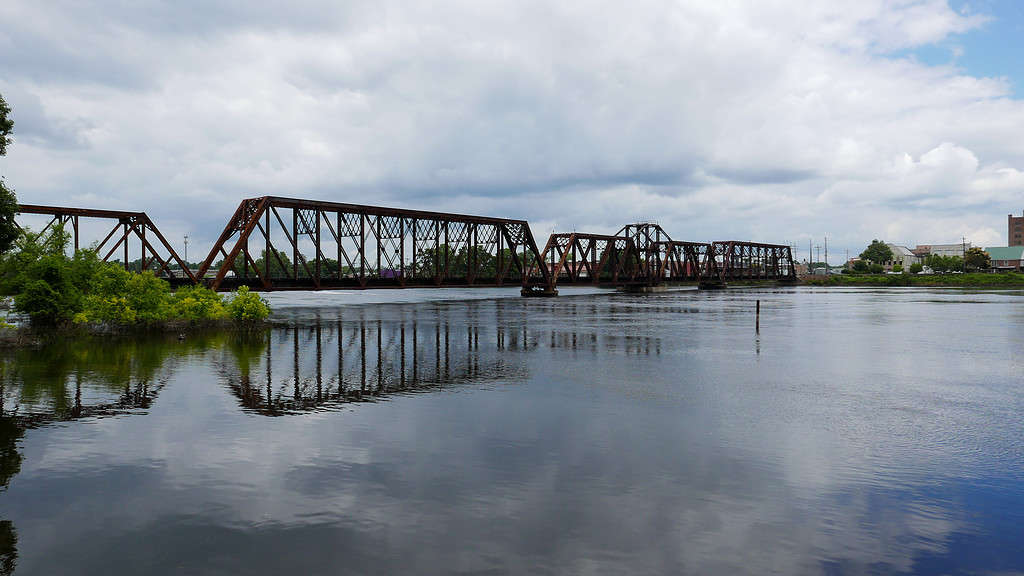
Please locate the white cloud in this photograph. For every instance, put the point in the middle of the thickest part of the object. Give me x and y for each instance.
(773, 121)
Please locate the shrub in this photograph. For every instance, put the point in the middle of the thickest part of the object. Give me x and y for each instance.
(52, 288)
(149, 296)
(246, 305)
(198, 303)
(876, 269)
(897, 268)
(916, 268)
(115, 309)
(47, 293)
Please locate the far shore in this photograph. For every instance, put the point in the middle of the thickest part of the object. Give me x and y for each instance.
(969, 280)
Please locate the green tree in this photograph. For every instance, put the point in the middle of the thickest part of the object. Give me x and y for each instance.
(877, 252)
(6, 125)
(860, 266)
(977, 259)
(943, 264)
(430, 261)
(8, 201)
(48, 295)
(277, 258)
(916, 268)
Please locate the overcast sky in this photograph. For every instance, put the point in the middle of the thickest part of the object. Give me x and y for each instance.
(774, 121)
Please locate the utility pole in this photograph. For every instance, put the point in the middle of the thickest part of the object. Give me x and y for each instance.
(819, 253)
(186, 249)
(826, 256)
(963, 252)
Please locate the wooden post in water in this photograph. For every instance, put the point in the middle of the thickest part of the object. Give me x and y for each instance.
(757, 321)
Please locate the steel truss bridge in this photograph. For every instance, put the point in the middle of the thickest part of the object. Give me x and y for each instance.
(275, 243)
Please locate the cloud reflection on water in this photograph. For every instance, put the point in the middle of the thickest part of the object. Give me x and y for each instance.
(577, 436)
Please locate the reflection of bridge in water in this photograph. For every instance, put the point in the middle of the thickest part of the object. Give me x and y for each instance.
(365, 354)
(274, 243)
(301, 367)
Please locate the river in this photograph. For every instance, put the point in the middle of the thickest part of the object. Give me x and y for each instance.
(476, 432)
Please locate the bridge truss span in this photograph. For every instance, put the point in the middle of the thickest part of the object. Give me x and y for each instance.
(644, 255)
(266, 242)
(597, 259)
(684, 261)
(737, 260)
(276, 243)
(156, 253)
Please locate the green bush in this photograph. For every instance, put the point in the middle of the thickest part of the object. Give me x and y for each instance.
(150, 297)
(916, 268)
(897, 268)
(102, 309)
(52, 288)
(47, 294)
(876, 269)
(198, 303)
(980, 280)
(246, 305)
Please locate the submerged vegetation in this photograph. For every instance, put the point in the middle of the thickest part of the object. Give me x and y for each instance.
(975, 280)
(52, 288)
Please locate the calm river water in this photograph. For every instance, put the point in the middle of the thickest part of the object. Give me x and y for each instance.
(862, 431)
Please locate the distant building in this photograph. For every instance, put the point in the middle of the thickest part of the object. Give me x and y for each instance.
(901, 256)
(1015, 230)
(924, 250)
(1006, 258)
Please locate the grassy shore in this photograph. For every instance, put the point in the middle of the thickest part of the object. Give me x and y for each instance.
(1007, 280)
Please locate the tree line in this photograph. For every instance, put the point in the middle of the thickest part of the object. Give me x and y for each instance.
(878, 253)
(430, 262)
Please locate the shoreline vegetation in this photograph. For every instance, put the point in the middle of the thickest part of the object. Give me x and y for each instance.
(968, 280)
(61, 294)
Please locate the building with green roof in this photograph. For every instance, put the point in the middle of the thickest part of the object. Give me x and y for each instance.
(1006, 257)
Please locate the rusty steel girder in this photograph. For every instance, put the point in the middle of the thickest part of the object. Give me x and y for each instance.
(374, 247)
(647, 237)
(643, 254)
(356, 247)
(736, 260)
(683, 261)
(157, 257)
(596, 259)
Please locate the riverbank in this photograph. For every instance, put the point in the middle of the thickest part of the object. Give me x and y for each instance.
(28, 336)
(975, 280)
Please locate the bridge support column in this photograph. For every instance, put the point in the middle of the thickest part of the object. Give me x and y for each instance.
(539, 292)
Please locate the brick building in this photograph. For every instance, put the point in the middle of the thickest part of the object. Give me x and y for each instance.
(1015, 230)
(1007, 257)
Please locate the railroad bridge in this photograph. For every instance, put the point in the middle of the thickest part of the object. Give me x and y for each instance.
(276, 243)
